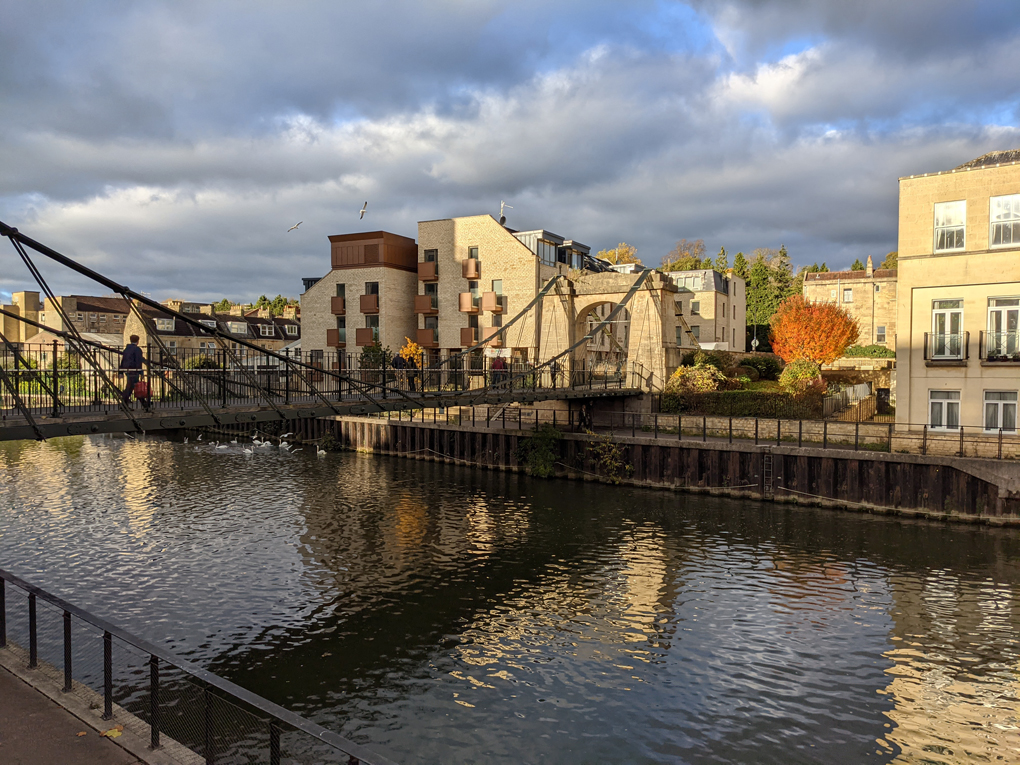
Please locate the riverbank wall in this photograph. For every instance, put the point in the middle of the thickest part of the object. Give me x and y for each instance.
(930, 486)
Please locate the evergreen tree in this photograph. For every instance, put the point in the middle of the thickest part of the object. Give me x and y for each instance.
(223, 306)
(857, 265)
(740, 267)
(722, 261)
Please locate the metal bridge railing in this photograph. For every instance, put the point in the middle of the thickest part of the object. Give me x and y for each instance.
(189, 714)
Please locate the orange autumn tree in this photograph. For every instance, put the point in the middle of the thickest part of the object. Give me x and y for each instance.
(817, 332)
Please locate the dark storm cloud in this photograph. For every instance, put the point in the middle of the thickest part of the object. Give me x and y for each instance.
(171, 145)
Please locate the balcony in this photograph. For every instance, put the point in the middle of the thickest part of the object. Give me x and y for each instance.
(468, 336)
(426, 304)
(495, 342)
(428, 271)
(337, 305)
(428, 338)
(951, 350)
(336, 338)
(471, 268)
(492, 302)
(999, 347)
(469, 302)
(366, 336)
(370, 304)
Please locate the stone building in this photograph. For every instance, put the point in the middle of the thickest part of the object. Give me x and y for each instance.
(26, 305)
(869, 296)
(715, 307)
(99, 315)
(958, 343)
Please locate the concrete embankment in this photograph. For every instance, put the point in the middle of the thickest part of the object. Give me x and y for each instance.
(937, 487)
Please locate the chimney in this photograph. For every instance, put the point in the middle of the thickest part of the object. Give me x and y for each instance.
(870, 270)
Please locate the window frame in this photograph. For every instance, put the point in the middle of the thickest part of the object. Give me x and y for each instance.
(291, 329)
(848, 291)
(1013, 221)
(944, 401)
(999, 404)
(264, 333)
(161, 324)
(936, 228)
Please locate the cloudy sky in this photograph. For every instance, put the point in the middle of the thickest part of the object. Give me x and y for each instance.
(171, 144)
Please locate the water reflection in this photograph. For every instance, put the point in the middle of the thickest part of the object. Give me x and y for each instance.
(448, 614)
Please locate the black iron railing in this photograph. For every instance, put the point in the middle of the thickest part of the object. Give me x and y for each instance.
(179, 707)
(999, 346)
(949, 347)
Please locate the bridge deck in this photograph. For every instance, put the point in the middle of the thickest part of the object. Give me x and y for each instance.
(109, 418)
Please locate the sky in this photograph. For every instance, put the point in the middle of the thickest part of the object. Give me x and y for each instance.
(170, 145)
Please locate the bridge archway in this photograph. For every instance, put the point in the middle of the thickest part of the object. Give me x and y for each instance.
(607, 352)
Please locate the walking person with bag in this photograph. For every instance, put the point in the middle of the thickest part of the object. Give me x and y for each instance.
(131, 365)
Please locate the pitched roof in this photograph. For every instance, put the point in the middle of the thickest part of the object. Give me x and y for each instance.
(1004, 157)
(101, 304)
(880, 273)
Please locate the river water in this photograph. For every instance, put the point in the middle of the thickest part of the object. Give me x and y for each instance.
(447, 614)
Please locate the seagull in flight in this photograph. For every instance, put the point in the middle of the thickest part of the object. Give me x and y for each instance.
(363, 210)
(298, 224)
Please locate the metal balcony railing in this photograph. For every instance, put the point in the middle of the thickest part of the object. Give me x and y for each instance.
(946, 347)
(999, 346)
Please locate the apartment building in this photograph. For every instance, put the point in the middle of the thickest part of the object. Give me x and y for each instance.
(958, 346)
(99, 315)
(869, 296)
(366, 298)
(714, 306)
(25, 305)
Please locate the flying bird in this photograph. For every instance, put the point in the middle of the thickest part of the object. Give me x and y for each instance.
(298, 224)
(363, 210)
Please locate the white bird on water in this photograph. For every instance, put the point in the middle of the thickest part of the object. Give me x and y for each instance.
(319, 451)
(363, 211)
(222, 446)
(249, 451)
(295, 226)
(199, 436)
(234, 441)
(185, 439)
(286, 435)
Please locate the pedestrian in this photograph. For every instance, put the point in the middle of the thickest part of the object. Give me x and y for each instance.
(131, 365)
(498, 370)
(399, 365)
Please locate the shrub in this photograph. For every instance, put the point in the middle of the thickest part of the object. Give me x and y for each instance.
(747, 374)
(801, 375)
(539, 452)
(767, 367)
(746, 403)
(375, 356)
(721, 360)
(201, 362)
(869, 352)
(819, 332)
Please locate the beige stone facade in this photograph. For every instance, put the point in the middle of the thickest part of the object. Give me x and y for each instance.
(26, 305)
(101, 315)
(715, 307)
(869, 296)
(959, 296)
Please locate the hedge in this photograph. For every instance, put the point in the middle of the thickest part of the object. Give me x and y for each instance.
(869, 352)
(744, 403)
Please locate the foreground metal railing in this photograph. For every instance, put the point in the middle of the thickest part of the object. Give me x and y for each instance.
(188, 713)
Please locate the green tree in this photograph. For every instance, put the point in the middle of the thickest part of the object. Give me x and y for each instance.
(740, 266)
(223, 306)
(814, 268)
(722, 261)
(685, 256)
(890, 260)
(857, 265)
(277, 305)
(262, 302)
(622, 253)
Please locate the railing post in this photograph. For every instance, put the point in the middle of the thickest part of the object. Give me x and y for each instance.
(800, 433)
(554, 418)
(520, 413)
(3, 612)
(961, 440)
(274, 744)
(503, 413)
(633, 424)
(779, 432)
(679, 427)
(33, 644)
(107, 676)
(153, 702)
(755, 431)
(56, 382)
(1000, 457)
(286, 379)
(210, 744)
(67, 651)
(223, 378)
(825, 434)
(890, 437)
(731, 430)
(704, 428)
(857, 434)
(655, 425)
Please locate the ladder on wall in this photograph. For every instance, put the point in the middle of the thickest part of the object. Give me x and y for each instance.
(767, 474)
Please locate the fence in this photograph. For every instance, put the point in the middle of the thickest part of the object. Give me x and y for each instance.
(52, 381)
(816, 434)
(833, 404)
(190, 714)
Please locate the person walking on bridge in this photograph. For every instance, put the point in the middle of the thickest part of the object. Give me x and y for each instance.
(131, 365)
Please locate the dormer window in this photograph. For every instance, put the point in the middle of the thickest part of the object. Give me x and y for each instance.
(165, 325)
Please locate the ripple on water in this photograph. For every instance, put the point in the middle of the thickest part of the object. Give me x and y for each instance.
(446, 613)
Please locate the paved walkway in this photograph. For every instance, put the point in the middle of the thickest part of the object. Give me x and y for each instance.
(36, 731)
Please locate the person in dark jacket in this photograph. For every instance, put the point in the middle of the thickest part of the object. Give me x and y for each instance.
(131, 365)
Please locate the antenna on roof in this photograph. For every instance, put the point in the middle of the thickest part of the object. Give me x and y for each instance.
(503, 205)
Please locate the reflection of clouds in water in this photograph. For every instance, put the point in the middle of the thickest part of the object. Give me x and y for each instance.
(955, 679)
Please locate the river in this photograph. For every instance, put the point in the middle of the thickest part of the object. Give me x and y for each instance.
(447, 614)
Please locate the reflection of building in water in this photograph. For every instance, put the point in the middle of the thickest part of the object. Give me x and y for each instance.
(955, 678)
(645, 578)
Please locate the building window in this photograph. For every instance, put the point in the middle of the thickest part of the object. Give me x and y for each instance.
(696, 331)
(267, 330)
(1000, 410)
(430, 256)
(950, 220)
(210, 323)
(947, 329)
(473, 253)
(371, 288)
(81, 317)
(833, 295)
(848, 295)
(734, 339)
(171, 345)
(497, 286)
(724, 310)
(92, 317)
(102, 319)
(341, 328)
(237, 327)
(165, 325)
(473, 321)
(944, 409)
(497, 320)
(695, 307)
(880, 334)
(292, 330)
(341, 290)
(1005, 221)
(1003, 327)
